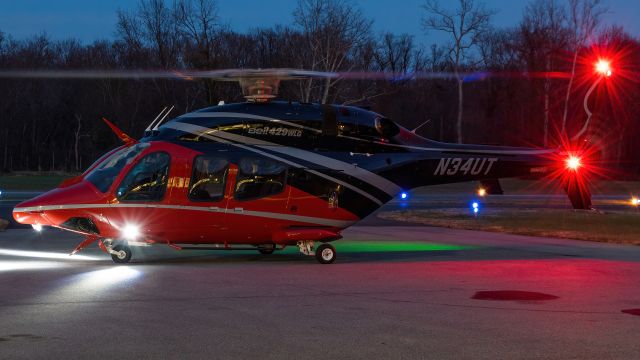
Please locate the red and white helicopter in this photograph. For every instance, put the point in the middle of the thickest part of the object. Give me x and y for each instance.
(263, 174)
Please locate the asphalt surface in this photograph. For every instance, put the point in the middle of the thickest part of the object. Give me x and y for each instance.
(447, 294)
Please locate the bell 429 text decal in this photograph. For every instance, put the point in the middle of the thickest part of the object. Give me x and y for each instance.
(275, 131)
(460, 166)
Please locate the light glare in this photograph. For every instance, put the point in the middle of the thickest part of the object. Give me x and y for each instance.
(37, 227)
(130, 232)
(573, 162)
(404, 195)
(43, 255)
(603, 67)
(28, 265)
(482, 192)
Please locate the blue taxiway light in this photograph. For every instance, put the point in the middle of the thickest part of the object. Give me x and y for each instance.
(476, 207)
(404, 195)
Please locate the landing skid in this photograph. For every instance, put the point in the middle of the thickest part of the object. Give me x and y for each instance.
(121, 253)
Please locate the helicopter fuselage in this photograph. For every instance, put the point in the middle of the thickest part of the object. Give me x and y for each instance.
(262, 174)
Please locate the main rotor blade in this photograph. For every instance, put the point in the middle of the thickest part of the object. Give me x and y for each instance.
(280, 74)
(219, 75)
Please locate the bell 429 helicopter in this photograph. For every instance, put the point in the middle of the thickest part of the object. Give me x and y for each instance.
(263, 174)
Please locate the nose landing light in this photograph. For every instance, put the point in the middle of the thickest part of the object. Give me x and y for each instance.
(131, 232)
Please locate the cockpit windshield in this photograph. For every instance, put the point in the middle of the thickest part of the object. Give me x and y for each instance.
(103, 175)
(101, 159)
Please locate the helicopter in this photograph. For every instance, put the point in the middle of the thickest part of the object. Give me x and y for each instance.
(264, 174)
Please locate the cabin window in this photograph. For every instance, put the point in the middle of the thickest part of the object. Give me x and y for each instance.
(208, 179)
(147, 180)
(103, 175)
(259, 178)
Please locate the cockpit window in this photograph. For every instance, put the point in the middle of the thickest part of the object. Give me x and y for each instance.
(258, 178)
(208, 179)
(386, 127)
(147, 180)
(103, 175)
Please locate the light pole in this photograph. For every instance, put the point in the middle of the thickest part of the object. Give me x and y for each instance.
(603, 69)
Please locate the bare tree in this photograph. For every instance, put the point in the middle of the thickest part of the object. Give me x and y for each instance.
(584, 18)
(332, 30)
(152, 24)
(395, 53)
(544, 36)
(465, 24)
(198, 22)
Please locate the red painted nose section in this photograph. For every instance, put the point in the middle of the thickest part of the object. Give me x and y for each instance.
(38, 209)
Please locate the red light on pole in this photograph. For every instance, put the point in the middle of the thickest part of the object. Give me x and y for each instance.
(603, 67)
(573, 163)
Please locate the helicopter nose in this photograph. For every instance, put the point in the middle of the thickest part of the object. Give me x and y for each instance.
(29, 212)
(43, 209)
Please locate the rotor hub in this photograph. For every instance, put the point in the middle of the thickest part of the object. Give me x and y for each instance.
(259, 89)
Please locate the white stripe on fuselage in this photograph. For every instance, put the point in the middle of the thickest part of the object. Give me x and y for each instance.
(223, 137)
(262, 214)
(328, 162)
(462, 150)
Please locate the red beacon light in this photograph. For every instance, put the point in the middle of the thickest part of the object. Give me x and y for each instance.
(603, 67)
(573, 163)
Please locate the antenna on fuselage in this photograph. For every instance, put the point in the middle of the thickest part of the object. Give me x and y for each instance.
(154, 120)
(164, 117)
(421, 125)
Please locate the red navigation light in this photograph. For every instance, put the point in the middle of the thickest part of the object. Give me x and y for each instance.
(603, 67)
(573, 162)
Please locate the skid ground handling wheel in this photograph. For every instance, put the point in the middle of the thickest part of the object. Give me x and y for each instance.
(326, 254)
(121, 254)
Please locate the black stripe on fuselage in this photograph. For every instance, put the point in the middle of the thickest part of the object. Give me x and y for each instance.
(322, 188)
(310, 183)
(337, 174)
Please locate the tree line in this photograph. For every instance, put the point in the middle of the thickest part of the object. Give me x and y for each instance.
(523, 85)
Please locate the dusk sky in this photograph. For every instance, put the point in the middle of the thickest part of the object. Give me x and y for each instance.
(91, 20)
